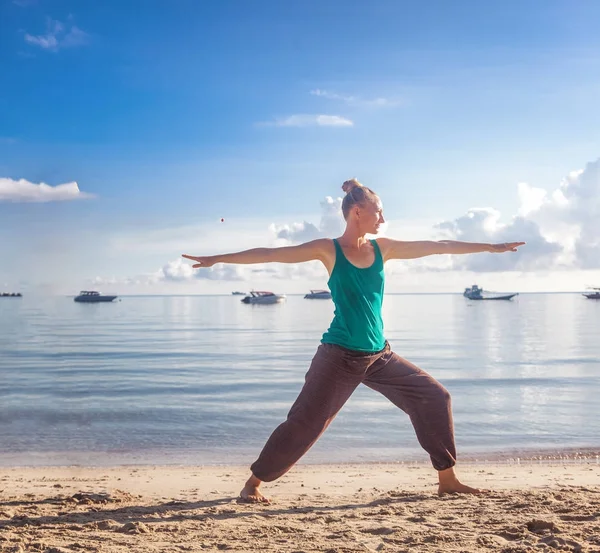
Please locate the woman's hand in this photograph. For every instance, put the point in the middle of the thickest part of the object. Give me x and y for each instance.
(505, 247)
(206, 261)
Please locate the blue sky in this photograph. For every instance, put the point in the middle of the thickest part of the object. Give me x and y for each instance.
(170, 116)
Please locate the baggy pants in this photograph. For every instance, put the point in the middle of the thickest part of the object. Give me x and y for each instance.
(334, 374)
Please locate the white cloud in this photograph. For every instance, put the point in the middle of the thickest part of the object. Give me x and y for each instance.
(483, 225)
(561, 227)
(331, 224)
(181, 270)
(572, 211)
(356, 100)
(305, 120)
(24, 191)
(58, 36)
(296, 232)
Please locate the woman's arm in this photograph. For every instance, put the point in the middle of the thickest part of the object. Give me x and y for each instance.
(308, 251)
(398, 249)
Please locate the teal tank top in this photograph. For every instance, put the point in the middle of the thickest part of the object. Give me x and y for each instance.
(358, 296)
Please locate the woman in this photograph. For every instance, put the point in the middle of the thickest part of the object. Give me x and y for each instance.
(354, 350)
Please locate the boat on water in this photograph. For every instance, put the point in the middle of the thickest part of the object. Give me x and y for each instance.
(91, 296)
(236, 293)
(594, 294)
(318, 295)
(11, 295)
(476, 293)
(263, 297)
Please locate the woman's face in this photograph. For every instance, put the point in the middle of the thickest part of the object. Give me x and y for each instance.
(370, 216)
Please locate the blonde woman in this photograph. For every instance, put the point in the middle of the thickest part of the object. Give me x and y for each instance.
(354, 350)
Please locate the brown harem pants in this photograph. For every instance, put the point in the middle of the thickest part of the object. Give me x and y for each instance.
(334, 374)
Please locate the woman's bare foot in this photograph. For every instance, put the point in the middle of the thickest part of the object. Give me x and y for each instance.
(250, 492)
(449, 483)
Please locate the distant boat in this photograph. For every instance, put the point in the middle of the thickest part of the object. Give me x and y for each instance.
(238, 293)
(11, 295)
(595, 295)
(262, 297)
(318, 295)
(90, 296)
(476, 293)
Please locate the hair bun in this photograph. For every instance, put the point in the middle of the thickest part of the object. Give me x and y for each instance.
(350, 185)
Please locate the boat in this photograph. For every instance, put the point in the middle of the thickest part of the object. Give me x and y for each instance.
(91, 296)
(318, 295)
(594, 295)
(476, 293)
(236, 293)
(263, 297)
(11, 295)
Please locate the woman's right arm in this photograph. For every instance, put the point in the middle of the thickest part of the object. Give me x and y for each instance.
(309, 251)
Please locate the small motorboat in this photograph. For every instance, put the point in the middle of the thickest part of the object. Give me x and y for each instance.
(11, 295)
(262, 297)
(236, 293)
(476, 293)
(318, 295)
(593, 295)
(91, 296)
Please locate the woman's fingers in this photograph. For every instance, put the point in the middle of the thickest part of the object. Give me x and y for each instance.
(512, 246)
(508, 246)
(200, 261)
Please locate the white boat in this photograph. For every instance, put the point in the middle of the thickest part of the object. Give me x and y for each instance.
(476, 293)
(318, 295)
(263, 297)
(593, 295)
(91, 296)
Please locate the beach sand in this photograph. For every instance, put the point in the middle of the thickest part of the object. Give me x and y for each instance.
(533, 507)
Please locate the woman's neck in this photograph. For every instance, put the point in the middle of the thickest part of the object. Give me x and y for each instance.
(353, 239)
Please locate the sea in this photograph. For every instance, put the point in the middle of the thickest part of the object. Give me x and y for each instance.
(204, 380)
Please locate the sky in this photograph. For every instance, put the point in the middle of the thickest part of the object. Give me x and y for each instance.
(129, 129)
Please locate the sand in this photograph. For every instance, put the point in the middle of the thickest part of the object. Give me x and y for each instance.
(533, 507)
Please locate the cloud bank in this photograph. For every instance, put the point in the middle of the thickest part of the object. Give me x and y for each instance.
(561, 227)
(331, 224)
(24, 191)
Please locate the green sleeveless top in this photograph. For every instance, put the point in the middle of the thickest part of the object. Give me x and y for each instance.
(358, 295)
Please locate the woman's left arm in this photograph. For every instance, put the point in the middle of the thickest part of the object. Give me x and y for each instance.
(400, 249)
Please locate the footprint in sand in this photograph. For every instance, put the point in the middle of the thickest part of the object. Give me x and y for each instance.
(561, 543)
(135, 528)
(542, 526)
(381, 531)
(579, 518)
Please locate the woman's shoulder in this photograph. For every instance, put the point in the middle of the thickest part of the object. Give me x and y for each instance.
(384, 245)
(326, 248)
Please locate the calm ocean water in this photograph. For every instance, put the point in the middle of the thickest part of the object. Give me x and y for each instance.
(205, 379)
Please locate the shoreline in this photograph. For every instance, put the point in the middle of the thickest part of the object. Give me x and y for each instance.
(569, 455)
